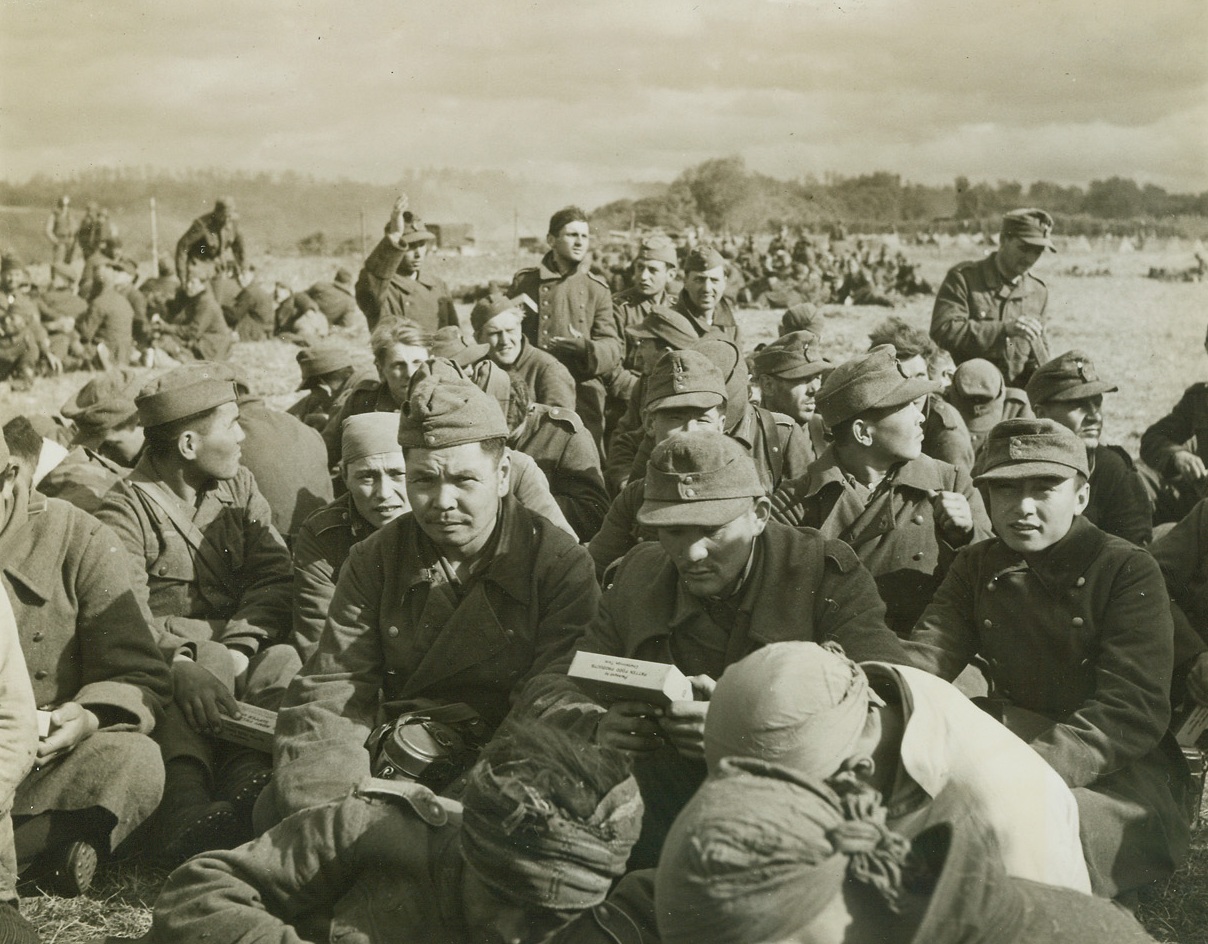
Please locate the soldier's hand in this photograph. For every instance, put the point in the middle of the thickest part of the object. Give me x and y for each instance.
(631, 726)
(54, 363)
(70, 724)
(1028, 328)
(568, 347)
(953, 515)
(684, 724)
(1197, 680)
(1188, 466)
(202, 698)
(398, 214)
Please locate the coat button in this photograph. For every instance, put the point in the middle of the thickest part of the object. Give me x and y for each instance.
(40, 674)
(163, 569)
(689, 492)
(917, 519)
(991, 585)
(918, 555)
(987, 623)
(1080, 582)
(1077, 621)
(392, 632)
(38, 637)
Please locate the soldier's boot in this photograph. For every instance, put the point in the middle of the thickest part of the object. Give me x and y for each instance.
(191, 820)
(70, 869)
(240, 780)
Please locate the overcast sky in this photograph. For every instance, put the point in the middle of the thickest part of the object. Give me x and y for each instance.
(610, 90)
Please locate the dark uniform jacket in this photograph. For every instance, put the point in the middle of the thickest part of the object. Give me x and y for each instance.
(1081, 636)
(320, 549)
(1182, 553)
(972, 310)
(400, 632)
(382, 292)
(202, 329)
(82, 478)
(216, 576)
(620, 530)
(109, 318)
(723, 323)
(382, 865)
(629, 309)
(548, 381)
(337, 304)
(894, 533)
(563, 449)
(575, 304)
(254, 315)
(1185, 428)
(368, 395)
(1119, 503)
(317, 403)
(288, 460)
(206, 241)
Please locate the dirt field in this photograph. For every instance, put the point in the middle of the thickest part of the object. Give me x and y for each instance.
(1145, 335)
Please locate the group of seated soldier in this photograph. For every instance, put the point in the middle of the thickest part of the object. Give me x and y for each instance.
(932, 646)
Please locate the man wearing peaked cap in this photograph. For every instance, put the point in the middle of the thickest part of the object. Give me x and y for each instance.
(456, 603)
(1075, 628)
(499, 323)
(327, 374)
(789, 374)
(720, 581)
(214, 572)
(984, 400)
(1068, 390)
(994, 307)
(107, 442)
(703, 300)
(654, 286)
(392, 283)
(573, 318)
(901, 511)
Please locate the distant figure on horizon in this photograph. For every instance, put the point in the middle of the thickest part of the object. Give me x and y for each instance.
(61, 229)
(211, 242)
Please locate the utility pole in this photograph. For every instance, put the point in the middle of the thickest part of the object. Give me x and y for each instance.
(154, 239)
(364, 237)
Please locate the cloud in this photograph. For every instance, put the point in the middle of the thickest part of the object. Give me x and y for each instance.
(612, 90)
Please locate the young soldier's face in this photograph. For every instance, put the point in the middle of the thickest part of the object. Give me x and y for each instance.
(898, 436)
(413, 258)
(1015, 256)
(215, 450)
(710, 560)
(571, 243)
(503, 333)
(398, 365)
(378, 486)
(685, 419)
(455, 493)
(705, 289)
(651, 276)
(1084, 417)
(795, 398)
(1034, 513)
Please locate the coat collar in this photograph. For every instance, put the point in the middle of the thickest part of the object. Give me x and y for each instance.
(407, 284)
(1058, 567)
(216, 491)
(923, 474)
(511, 561)
(30, 562)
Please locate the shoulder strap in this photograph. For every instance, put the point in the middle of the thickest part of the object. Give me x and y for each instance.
(205, 552)
(773, 448)
(426, 804)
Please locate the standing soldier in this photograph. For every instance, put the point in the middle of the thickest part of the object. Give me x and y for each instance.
(94, 230)
(392, 283)
(573, 320)
(994, 307)
(212, 242)
(61, 230)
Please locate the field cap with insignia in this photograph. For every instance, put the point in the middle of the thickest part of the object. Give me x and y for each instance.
(185, 391)
(102, 404)
(699, 478)
(804, 316)
(684, 378)
(448, 342)
(1070, 376)
(496, 303)
(794, 356)
(871, 381)
(1025, 448)
(703, 259)
(667, 325)
(415, 233)
(447, 410)
(658, 248)
(1030, 226)
(321, 359)
(368, 434)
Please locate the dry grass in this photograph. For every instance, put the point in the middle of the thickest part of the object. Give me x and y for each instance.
(1145, 335)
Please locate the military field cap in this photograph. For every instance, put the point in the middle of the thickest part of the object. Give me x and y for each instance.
(185, 391)
(414, 232)
(658, 248)
(1031, 226)
(728, 359)
(102, 404)
(684, 378)
(803, 316)
(1071, 376)
(978, 392)
(496, 303)
(667, 325)
(322, 359)
(368, 434)
(870, 381)
(794, 356)
(449, 343)
(1026, 448)
(446, 410)
(703, 259)
(698, 478)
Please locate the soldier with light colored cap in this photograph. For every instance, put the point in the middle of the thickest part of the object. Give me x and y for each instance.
(994, 307)
(720, 582)
(1075, 629)
(904, 513)
(458, 602)
(1069, 391)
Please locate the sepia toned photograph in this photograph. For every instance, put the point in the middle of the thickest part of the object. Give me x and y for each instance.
(626, 472)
